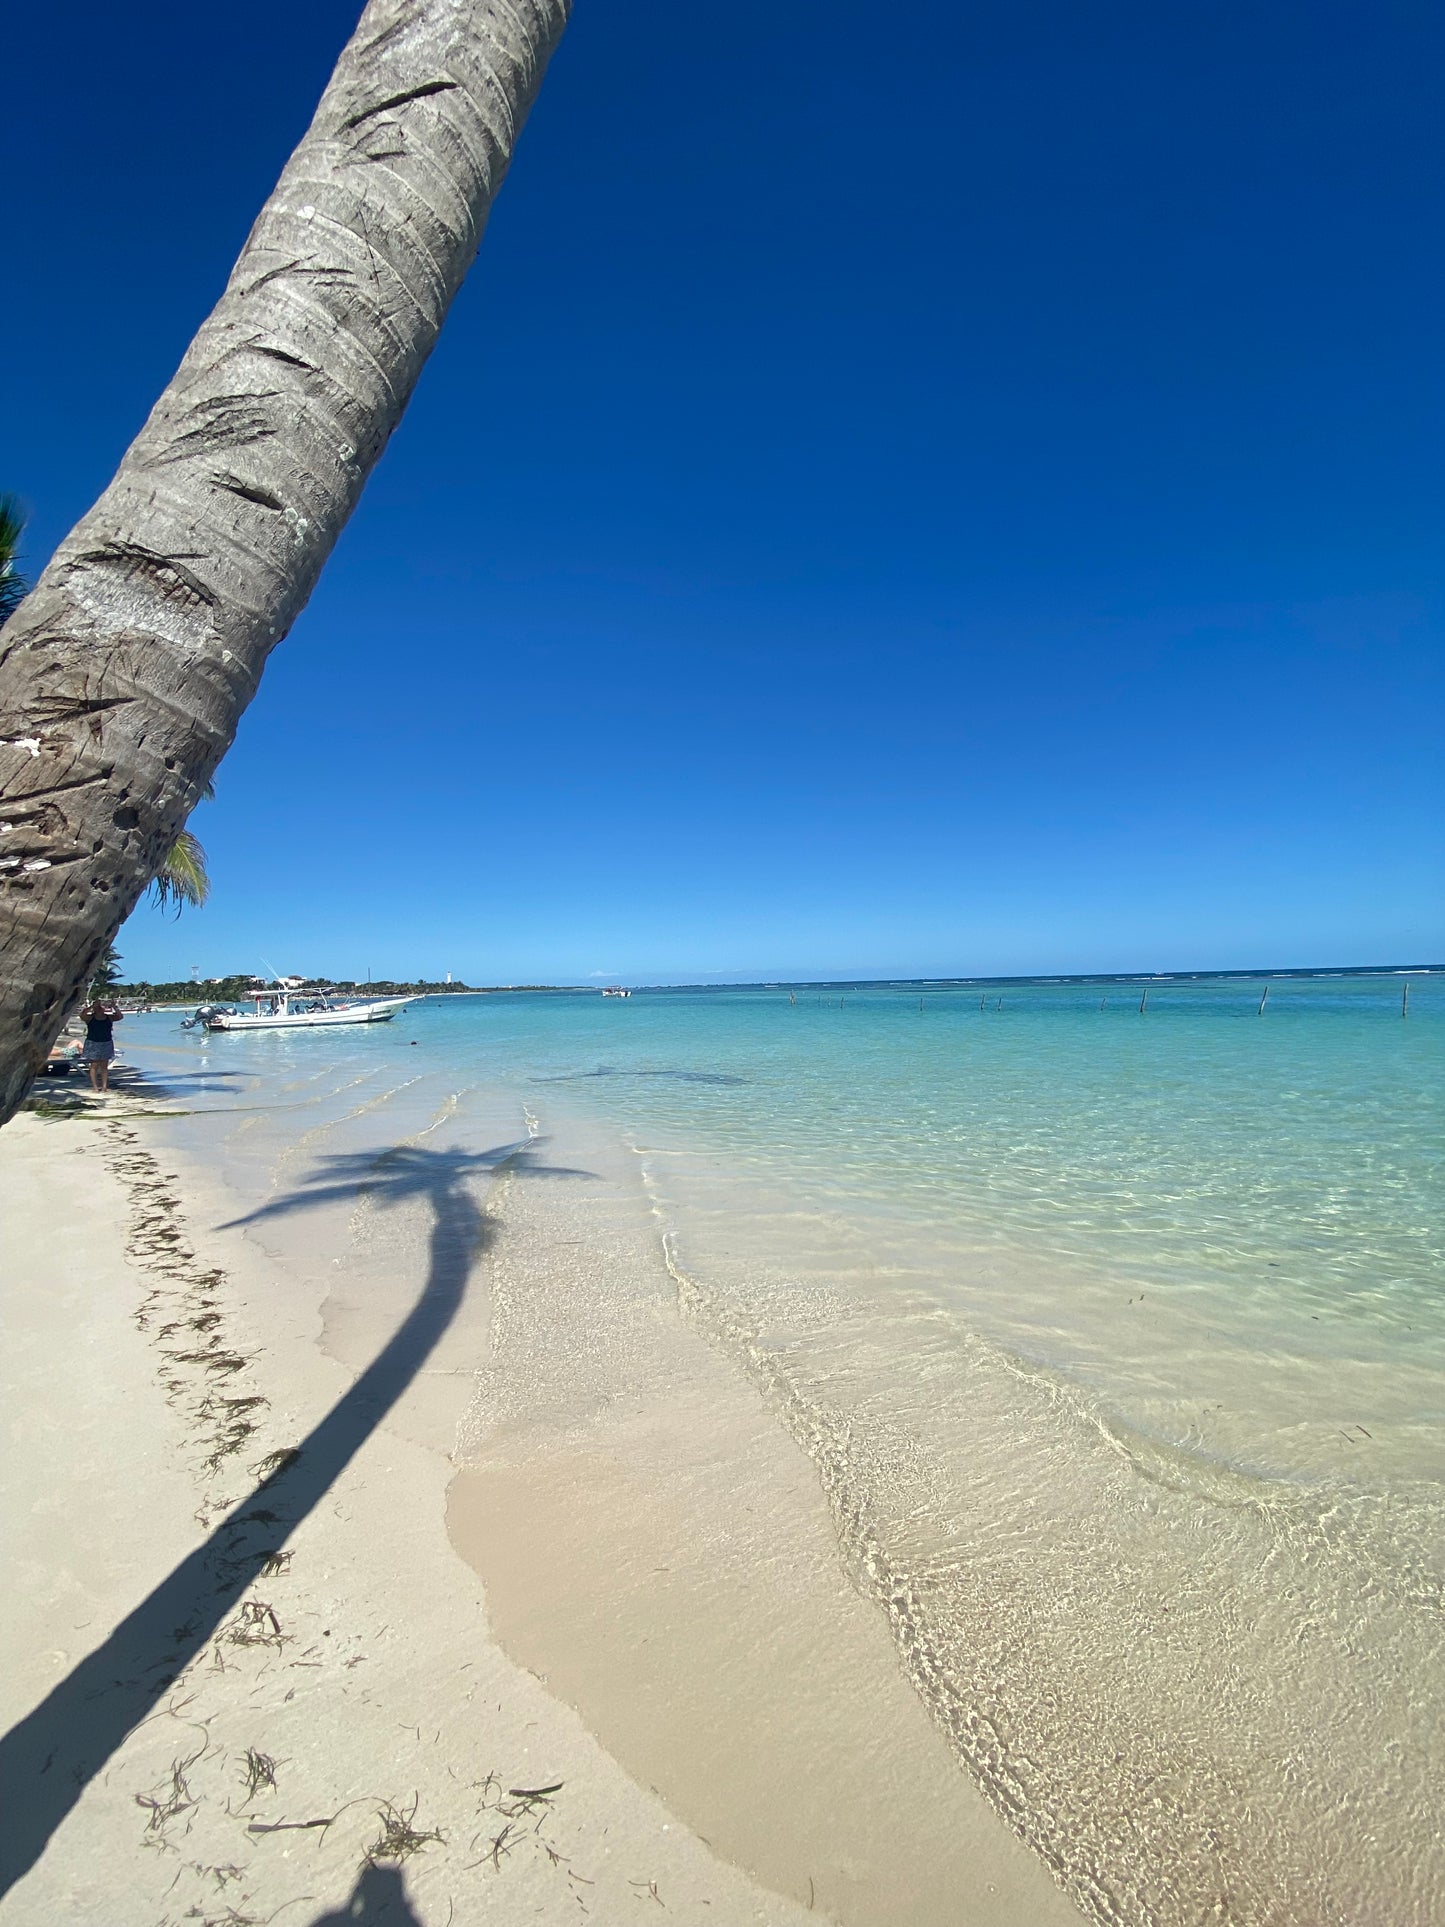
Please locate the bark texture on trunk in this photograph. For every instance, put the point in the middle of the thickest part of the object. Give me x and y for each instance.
(124, 673)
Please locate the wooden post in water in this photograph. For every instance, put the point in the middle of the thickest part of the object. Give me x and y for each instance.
(1143, 1002)
(1262, 1002)
(980, 1003)
(999, 1005)
(1102, 1002)
(1405, 1001)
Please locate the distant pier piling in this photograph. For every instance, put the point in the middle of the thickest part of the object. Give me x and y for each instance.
(1143, 1003)
(1262, 1002)
(1405, 1001)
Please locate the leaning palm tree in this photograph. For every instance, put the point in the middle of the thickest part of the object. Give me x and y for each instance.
(182, 878)
(125, 671)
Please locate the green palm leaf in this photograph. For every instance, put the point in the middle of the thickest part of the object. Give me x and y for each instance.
(182, 878)
(13, 586)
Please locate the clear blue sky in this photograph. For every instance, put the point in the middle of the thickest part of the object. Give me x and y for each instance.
(938, 489)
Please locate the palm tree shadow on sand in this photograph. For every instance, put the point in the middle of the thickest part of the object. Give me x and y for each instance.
(49, 1757)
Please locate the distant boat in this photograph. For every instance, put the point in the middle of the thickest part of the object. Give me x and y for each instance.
(282, 1009)
(616, 990)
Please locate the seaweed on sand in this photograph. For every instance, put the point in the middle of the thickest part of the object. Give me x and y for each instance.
(172, 1798)
(255, 1624)
(399, 1839)
(258, 1770)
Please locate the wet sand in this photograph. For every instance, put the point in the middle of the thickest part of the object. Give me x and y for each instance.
(717, 1646)
(554, 1543)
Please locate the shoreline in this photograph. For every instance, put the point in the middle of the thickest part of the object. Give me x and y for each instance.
(750, 1461)
(722, 1651)
(363, 1673)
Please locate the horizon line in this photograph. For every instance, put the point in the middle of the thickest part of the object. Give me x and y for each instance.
(1253, 972)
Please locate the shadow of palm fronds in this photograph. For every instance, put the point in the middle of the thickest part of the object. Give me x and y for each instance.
(50, 1756)
(404, 1172)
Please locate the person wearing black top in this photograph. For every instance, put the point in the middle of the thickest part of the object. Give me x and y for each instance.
(101, 1019)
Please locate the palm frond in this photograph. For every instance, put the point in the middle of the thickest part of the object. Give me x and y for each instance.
(107, 974)
(13, 586)
(182, 878)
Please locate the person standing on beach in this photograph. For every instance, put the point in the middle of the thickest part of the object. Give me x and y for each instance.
(101, 1019)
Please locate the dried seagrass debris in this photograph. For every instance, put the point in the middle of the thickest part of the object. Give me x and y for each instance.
(399, 1838)
(258, 1770)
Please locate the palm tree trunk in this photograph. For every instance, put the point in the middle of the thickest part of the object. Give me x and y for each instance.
(124, 673)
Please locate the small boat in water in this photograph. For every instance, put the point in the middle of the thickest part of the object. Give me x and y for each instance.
(283, 1009)
(616, 990)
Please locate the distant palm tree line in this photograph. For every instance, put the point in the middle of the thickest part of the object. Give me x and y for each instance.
(242, 983)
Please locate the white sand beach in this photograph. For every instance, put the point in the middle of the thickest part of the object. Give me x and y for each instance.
(547, 1618)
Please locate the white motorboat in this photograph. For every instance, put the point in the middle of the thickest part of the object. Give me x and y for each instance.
(283, 1009)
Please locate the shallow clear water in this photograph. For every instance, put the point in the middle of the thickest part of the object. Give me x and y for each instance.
(1272, 1182)
(1118, 1340)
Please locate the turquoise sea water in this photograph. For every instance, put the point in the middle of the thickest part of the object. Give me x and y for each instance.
(1118, 1340)
(1041, 1158)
